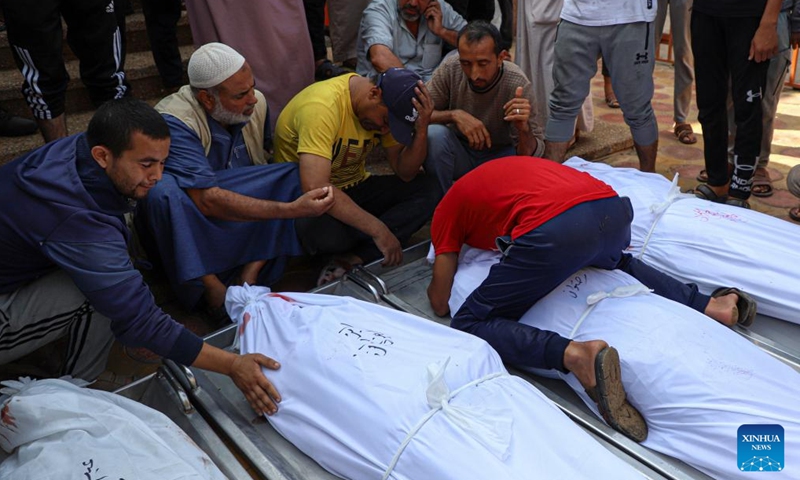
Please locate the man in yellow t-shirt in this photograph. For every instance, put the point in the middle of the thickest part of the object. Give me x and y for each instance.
(329, 129)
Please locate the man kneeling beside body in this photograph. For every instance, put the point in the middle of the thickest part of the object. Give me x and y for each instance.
(222, 215)
(329, 130)
(548, 221)
(482, 105)
(64, 264)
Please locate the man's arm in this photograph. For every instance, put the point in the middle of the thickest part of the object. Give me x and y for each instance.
(189, 166)
(245, 371)
(103, 272)
(434, 17)
(224, 204)
(382, 58)
(316, 171)
(377, 24)
(473, 129)
(518, 111)
(407, 160)
(765, 42)
(444, 272)
(446, 113)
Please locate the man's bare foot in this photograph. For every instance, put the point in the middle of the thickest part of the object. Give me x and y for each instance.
(214, 291)
(250, 271)
(597, 367)
(723, 309)
(579, 359)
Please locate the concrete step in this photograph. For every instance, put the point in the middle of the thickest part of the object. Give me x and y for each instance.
(136, 38)
(139, 68)
(11, 148)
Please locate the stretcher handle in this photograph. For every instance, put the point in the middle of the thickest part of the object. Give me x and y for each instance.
(362, 283)
(183, 375)
(183, 397)
(377, 279)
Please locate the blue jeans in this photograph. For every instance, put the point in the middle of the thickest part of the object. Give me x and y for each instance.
(450, 158)
(591, 234)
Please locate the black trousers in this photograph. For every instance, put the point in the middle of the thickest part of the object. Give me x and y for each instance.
(590, 234)
(315, 18)
(721, 46)
(35, 35)
(161, 19)
(484, 10)
(404, 207)
(474, 9)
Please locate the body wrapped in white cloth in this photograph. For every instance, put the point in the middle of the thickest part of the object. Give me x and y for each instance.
(694, 380)
(370, 392)
(54, 429)
(707, 243)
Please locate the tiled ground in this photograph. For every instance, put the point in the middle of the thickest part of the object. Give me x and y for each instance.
(687, 160)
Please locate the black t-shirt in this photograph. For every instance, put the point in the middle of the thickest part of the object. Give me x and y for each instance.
(731, 8)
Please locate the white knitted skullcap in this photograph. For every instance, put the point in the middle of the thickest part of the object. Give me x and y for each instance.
(212, 64)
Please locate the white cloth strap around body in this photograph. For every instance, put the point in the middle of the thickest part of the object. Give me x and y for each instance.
(659, 209)
(492, 430)
(595, 298)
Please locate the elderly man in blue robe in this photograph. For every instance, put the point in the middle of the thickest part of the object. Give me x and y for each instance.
(221, 214)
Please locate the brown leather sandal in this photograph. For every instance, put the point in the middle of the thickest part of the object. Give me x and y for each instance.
(762, 184)
(794, 214)
(685, 133)
(609, 395)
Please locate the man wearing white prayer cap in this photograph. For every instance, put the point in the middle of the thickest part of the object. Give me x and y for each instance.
(221, 214)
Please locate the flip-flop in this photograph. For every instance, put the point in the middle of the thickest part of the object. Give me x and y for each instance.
(746, 305)
(704, 191)
(794, 214)
(685, 134)
(609, 394)
(762, 185)
(702, 176)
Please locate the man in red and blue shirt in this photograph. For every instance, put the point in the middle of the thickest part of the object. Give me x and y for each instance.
(548, 221)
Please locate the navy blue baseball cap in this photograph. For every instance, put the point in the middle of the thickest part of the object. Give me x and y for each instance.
(397, 87)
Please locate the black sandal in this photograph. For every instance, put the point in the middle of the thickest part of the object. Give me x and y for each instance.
(738, 202)
(706, 193)
(746, 305)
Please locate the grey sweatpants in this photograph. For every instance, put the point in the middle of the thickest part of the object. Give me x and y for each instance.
(46, 310)
(628, 52)
(537, 24)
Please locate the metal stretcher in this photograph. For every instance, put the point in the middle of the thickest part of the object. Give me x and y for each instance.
(196, 396)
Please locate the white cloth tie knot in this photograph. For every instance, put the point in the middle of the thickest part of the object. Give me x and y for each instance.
(491, 427)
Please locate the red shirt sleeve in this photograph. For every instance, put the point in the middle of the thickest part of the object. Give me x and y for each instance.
(447, 233)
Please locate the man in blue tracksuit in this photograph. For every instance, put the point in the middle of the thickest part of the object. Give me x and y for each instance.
(64, 264)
